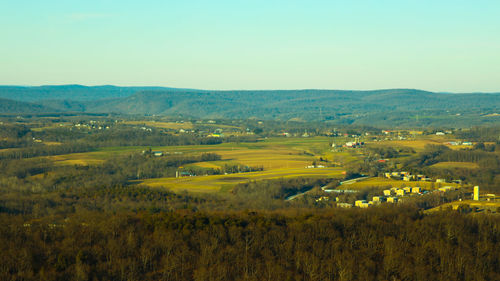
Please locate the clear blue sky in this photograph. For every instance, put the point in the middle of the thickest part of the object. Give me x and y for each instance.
(439, 45)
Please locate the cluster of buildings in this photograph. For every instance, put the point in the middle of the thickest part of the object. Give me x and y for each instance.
(350, 144)
(402, 191)
(92, 125)
(406, 176)
(376, 200)
(394, 195)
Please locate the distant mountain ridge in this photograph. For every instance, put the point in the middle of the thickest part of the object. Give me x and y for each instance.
(343, 106)
(70, 92)
(12, 106)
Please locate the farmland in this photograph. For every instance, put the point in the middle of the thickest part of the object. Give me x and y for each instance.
(388, 183)
(226, 182)
(418, 143)
(451, 165)
(279, 157)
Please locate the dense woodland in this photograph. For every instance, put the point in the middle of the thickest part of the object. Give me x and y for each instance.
(384, 244)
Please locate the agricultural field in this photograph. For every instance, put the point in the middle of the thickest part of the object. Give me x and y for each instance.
(388, 183)
(84, 159)
(419, 143)
(270, 153)
(279, 157)
(224, 183)
(452, 165)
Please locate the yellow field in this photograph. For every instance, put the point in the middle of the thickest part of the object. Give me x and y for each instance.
(84, 159)
(419, 143)
(280, 157)
(51, 143)
(270, 158)
(384, 182)
(466, 165)
(226, 182)
(270, 154)
(163, 125)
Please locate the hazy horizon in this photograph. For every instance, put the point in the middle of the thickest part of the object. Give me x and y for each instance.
(257, 89)
(449, 46)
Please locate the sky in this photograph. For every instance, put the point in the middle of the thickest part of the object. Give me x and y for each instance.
(439, 45)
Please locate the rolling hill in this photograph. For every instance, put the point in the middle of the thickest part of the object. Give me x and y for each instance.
(71, 92)
(8, 106)
(406, 107)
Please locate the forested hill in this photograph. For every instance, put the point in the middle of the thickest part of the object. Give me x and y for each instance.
(401, 107)
(305, 104)
(12, 106)
(71, 92)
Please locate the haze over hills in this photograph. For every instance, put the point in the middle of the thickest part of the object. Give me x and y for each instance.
(13, 106)
(405, 107)
(70, 92)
